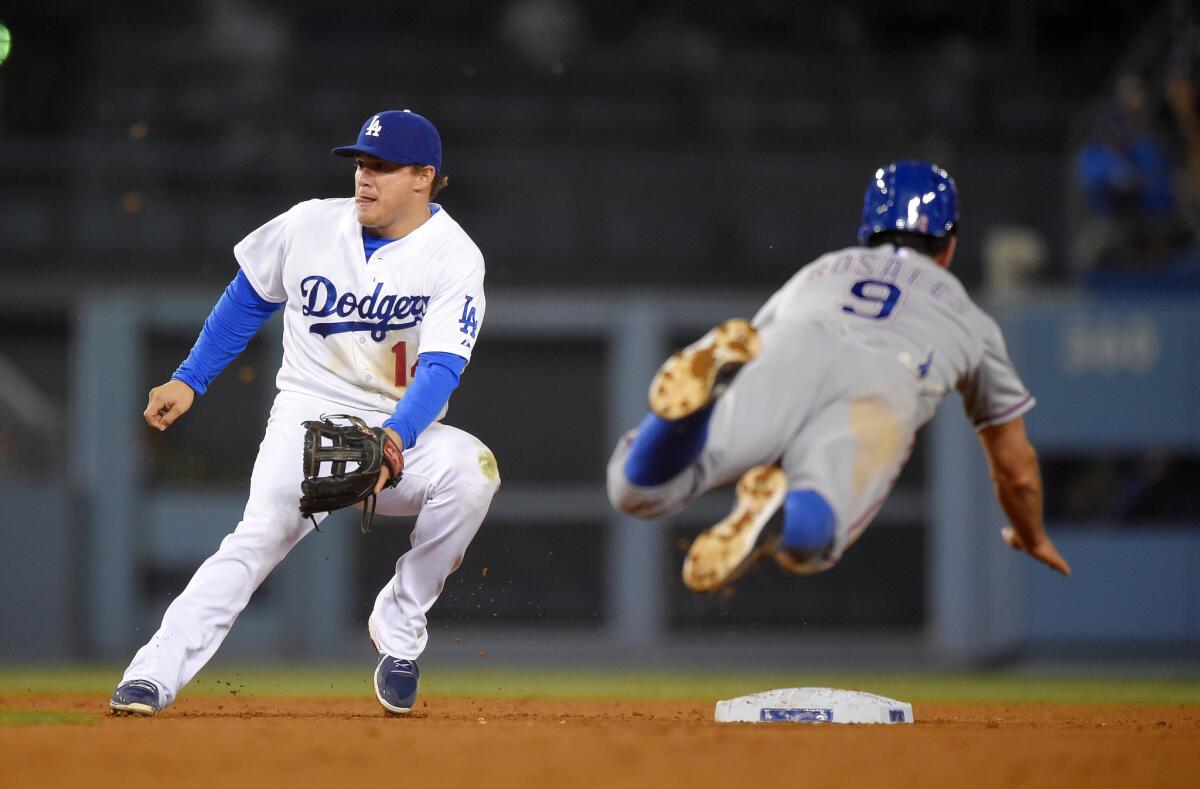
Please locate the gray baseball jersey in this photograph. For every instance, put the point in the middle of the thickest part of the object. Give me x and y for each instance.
(901, 302)
(858, 349)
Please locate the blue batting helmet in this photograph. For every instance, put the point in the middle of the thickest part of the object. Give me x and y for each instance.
(910, 197)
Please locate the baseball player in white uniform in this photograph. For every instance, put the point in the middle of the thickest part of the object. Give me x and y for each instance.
(814, 404)
(382, 299)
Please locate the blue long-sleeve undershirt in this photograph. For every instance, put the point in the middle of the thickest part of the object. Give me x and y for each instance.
(228, 329)
(241, 312)
(436, 378)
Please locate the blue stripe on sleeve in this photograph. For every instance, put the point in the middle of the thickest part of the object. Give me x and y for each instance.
(233, 322)
(436, 378)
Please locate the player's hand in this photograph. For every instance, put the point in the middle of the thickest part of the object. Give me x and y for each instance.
(167, 403)
(384, 473)
(1044, 550)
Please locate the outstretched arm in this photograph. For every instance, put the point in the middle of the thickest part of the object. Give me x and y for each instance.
(235, 319)
(1018, 483)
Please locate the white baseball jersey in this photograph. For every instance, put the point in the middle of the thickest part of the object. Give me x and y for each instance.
(353, 327)
(352, 331)
(899, 301)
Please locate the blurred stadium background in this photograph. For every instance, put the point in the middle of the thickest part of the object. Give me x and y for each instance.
(633, 172)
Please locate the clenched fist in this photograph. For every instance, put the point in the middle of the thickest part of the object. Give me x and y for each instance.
(167, 403)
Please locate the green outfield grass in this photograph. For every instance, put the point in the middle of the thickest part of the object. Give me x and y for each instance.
(683, 685)
(44, 718)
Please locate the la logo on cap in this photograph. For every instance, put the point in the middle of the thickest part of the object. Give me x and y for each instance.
(374, 127)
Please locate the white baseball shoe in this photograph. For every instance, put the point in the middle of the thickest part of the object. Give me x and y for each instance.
(697, 375)
(723, 552)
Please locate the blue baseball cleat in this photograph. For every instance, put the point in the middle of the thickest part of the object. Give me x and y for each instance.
(396, 683)
(135, 697)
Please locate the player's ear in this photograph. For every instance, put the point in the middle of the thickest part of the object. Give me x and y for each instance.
(951, 248)
(425, 176)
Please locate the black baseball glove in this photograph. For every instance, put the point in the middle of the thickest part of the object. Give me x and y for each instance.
(338, 440)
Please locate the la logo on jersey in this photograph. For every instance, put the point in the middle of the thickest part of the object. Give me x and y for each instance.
(374, 127)
(468, 323)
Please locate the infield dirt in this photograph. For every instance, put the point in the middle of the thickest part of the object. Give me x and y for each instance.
(499, 743)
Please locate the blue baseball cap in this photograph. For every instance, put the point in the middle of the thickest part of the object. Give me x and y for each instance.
(398, 136)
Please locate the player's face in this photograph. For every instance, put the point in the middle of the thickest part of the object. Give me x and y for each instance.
(385, 193)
